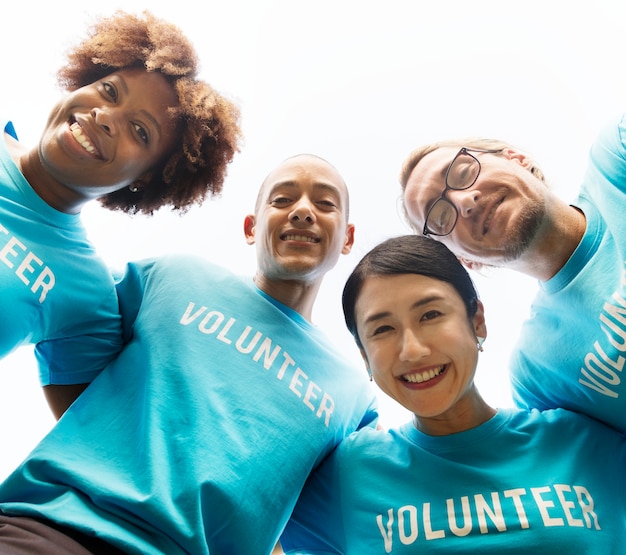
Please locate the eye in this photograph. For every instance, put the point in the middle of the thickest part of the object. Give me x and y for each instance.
(431, 315)
(381, 329)
(280, 201)
(463, 172)
(141, 132)
(327, 204)
(110, 90)
(445, 214)
(440, 215)
(462, 169)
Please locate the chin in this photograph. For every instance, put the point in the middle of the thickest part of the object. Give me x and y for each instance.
(298, 267)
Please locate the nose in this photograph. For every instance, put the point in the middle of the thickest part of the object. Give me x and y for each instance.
(465, 200)
(302, 211)
(412, 347)
(105, 119)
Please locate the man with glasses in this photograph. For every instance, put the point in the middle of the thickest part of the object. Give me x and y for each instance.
(489, 203)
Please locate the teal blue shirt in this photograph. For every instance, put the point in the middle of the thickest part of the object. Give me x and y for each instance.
(199, 437)
(572, 349)
(55, 291)
(540, 483)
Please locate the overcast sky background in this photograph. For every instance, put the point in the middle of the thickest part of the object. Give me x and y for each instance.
(360, 83)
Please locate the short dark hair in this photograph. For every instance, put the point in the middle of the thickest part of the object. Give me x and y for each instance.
(408, 254)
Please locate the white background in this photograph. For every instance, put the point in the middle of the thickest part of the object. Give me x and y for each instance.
(360, 83)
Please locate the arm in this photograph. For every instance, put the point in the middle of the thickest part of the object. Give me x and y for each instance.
(72, 358)
(60, 397)
(92, 351)
(316, 524)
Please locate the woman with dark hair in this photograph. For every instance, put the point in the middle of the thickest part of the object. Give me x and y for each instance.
(137, 130)
(462, 476)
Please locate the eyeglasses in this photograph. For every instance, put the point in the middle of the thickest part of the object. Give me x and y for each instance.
(462, 173)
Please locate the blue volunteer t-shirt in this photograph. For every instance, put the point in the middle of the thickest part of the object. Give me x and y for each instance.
(540, 483)
(199, 437)
(572, 349)
(55, 291)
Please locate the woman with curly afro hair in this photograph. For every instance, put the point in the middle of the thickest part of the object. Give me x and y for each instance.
(137, 130)
(206, 124)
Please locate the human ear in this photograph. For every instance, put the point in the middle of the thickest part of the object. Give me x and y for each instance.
(519, 157)
(367, 364)
(471, 264)
(140, 183)
(480, 326)
(249, 224)
(349, 240)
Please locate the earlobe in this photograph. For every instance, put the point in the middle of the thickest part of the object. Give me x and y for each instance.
(349, 242)
(140, 183)
(470, 264)
(248, 228)
(480, 326)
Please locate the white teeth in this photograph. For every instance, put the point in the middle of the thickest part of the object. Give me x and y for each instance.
(82, 138)
(304, 238)
(423, 376)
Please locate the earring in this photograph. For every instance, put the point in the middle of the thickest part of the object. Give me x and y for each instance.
(369, 373)
(479, 343)
(133, 188)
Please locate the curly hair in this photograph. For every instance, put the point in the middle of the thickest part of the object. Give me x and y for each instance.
(208, 122)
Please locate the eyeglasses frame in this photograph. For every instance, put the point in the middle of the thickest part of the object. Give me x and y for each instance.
(464, 150)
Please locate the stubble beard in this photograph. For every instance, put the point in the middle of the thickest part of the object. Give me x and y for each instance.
(525, 233)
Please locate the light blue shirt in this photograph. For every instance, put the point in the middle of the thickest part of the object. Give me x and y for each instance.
(540, 483)
(199, 437)
(54, 289)
(572, 349)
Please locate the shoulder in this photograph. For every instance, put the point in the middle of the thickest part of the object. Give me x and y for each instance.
(180, 265)
(370, 443)
(609, 148)
(564, 426)
(178, 272)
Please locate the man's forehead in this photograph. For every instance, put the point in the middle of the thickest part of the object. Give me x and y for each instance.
(305, 169)
(435, 163)
(305, 165)
(426, 181)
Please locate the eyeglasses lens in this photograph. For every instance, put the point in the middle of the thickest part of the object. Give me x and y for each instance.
(463, 172)
(441, 218)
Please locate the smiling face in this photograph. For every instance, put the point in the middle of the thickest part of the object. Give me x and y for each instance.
(499, 217)
(420, 344)
(104, 136)
(300, 226)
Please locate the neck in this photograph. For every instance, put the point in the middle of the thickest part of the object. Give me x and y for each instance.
(469, 412)
(554, 245)
(50, 190)
(297, 295)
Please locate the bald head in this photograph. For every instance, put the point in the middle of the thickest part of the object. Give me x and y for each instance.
(320, 169)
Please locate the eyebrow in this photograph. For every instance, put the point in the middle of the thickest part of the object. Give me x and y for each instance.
(430, 201)
(445, 168)
(146, 114)
(385, 313)
(442, 175)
